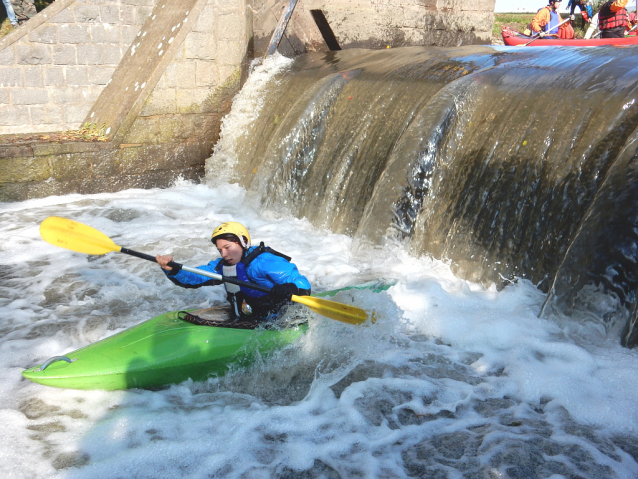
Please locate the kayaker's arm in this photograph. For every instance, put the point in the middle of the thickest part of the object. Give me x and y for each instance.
(187, 279)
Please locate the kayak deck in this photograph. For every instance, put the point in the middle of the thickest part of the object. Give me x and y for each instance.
(163, 350)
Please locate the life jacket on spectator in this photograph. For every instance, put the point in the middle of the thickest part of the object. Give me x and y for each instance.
(608, 19)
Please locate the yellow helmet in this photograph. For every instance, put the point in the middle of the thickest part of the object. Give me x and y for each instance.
(235, 229)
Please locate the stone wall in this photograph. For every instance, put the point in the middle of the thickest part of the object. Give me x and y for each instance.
(160, 75)
(53, 68)
(161, 107)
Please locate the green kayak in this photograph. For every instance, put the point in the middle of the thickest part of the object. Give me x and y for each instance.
(169, 349)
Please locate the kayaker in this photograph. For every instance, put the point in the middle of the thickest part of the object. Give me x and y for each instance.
(546, 20)
(613, 19)
(255, 264)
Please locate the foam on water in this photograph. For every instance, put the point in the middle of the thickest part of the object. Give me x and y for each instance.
(454, 380)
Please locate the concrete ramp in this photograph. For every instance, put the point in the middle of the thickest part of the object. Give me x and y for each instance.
(143, 64)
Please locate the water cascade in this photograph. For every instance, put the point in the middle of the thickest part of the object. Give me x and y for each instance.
(508, 162)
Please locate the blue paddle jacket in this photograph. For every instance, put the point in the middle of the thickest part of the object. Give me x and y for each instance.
(259, 265)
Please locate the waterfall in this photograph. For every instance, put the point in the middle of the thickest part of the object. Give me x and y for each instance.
(510, 163)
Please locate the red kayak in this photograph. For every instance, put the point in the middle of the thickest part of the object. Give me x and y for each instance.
(514, 38)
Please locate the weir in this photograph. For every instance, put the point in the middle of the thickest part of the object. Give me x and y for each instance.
(510, 163)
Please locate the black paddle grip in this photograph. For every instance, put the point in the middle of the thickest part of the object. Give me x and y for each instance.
(148, 257)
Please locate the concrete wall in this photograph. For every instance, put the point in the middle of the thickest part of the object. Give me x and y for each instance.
(377, 23)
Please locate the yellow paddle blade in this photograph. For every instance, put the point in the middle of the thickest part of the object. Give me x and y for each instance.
(76, 236)
(334, 310)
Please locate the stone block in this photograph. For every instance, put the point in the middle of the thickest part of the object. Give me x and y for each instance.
(7, 56)
(143, 13)
(144, 130)
(86, 13)
(229, 75)
(44, 34)
(111, 54)
(230, 53)
(127, 15)
(19, 116)
(64, 16)
(11, 77)
(53, 76)
(70, 166)
(75, 114)
(99, 75)
(181, 74)
(33, 76)
(33, 55)
(90, 54)
(65, 55)
(200, 46)
(228, 7)
(229, 27)
(20, 170)
(161, 102)
(66, 95)
(55, 114)
(47, 115)
(77, 76)
(190, 101)
(29, 96)
(206, 20)
(74, 33)
(110, 14)
(129, 32)
(92, 93)
(206, 73)
(105, 33)
(4, 96)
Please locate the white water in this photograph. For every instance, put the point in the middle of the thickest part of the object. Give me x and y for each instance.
(454, 380)
(470, 376)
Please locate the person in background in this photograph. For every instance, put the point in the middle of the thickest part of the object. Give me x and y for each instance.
(546, 22)
(254, 264)
(24, 10)
(585, 8)
(612, 19)
(10, 13)
(593, 26)
(633, 21)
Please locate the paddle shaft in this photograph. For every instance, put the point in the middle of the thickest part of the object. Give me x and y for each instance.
(538, 34)
(201, 272)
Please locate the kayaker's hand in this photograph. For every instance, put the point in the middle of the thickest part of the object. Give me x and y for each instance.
(541, 34)
(283, 292)
(572, 17)
(163, 261)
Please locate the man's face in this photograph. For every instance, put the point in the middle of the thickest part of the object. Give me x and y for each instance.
(555, 6)
(230, 251)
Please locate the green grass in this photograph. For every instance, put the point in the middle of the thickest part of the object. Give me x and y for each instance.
(5, 26)
(515, 21)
